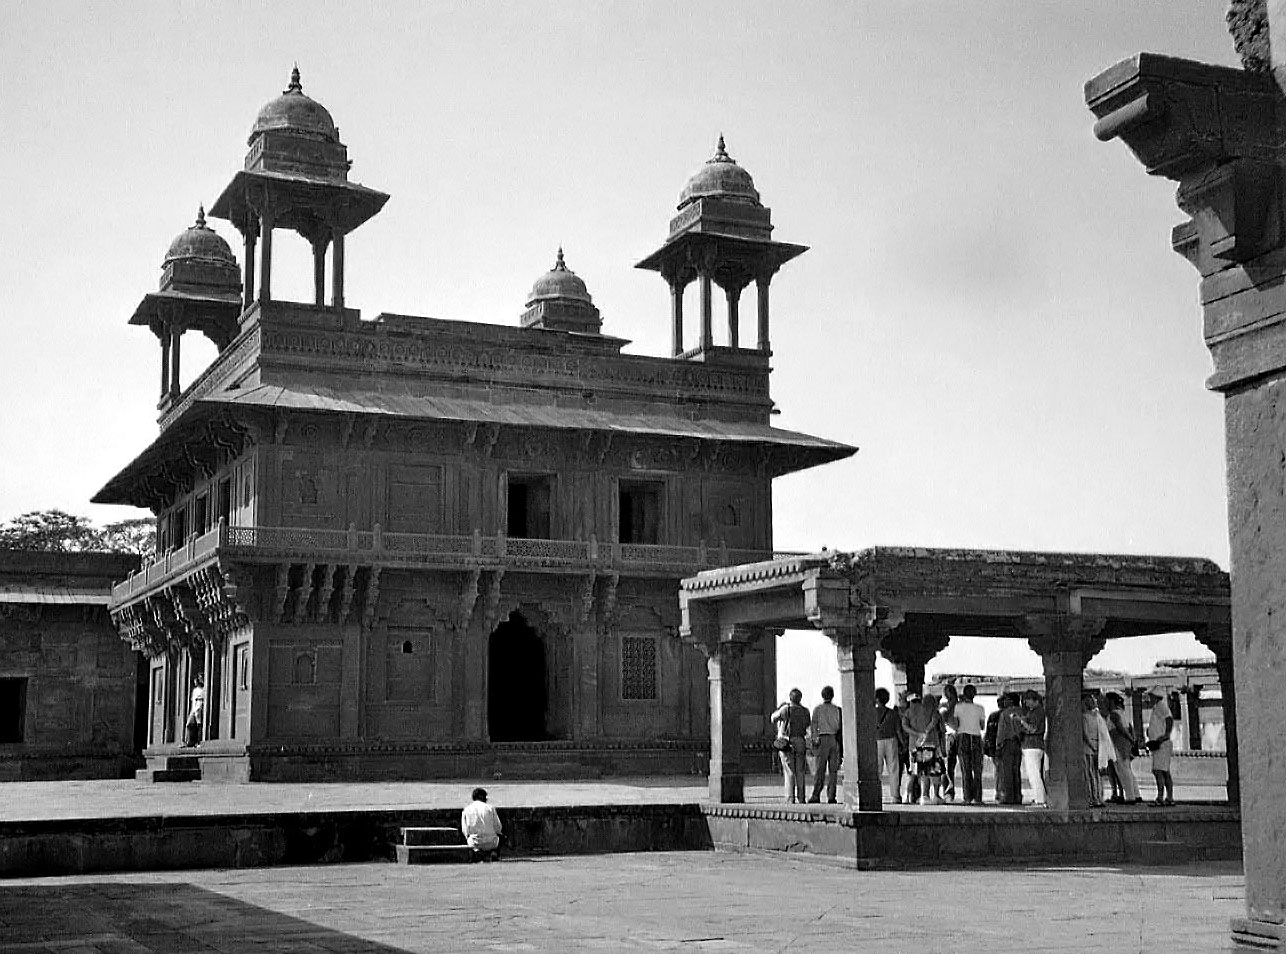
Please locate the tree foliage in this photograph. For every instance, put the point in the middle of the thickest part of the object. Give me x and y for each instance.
(61, 532)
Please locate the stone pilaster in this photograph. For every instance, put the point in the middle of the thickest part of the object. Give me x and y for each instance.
(1217, 637)
(1065, 645)
(1220, 134)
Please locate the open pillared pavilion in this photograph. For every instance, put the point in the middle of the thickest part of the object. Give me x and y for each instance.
(908, 602)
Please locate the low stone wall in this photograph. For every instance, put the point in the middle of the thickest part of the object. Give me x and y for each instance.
(78, 846)
(38, 766)
(914, 837)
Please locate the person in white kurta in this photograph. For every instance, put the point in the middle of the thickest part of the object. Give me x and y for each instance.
(480, 823)
(1160, 723)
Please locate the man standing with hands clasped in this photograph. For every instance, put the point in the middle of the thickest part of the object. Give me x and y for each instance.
(825, 728)
(971, 719)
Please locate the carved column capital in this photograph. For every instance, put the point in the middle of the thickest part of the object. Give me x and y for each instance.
(1057, 635)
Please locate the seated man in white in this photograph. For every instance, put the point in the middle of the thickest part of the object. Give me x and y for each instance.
(481, 825)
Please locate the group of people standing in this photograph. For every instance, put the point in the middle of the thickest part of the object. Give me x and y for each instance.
(924, 738)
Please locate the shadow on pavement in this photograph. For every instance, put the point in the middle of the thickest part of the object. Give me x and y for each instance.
(169, 918)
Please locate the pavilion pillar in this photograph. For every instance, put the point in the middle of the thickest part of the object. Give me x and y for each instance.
(733, 294)
(1220, 133)
(207, 677)
(337, 269)
(1065, 645)
(761, 286)
(265, 261)
(910, 648)
(676, 318)
(251, 234)
(170, 682)
(165, 362)
(1217, 637)
(319, 272)
(707, 316)
(1190, 716)
(724, 663)
(176, 337)
(855, 652)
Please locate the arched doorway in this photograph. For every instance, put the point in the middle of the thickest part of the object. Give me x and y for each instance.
(517, 697)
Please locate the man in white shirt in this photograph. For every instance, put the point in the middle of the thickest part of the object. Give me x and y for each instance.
(971, 720)
(825, 727)
(481, 825)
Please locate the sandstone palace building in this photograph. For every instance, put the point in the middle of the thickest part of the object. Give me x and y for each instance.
(409, 547)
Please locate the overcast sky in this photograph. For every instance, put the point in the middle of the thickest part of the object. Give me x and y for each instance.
(990, 308)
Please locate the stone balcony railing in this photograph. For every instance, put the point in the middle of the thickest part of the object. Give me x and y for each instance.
(429, 550)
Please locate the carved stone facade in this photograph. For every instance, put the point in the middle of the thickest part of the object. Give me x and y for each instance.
(67, 682)
(413, 547)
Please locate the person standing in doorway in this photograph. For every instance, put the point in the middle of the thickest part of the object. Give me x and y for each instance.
(971, 719)
(888, 743)
(1032, 721)
(1160, 725)
(196, 713)
(1009, 752)
(792, 721)
(826, 724)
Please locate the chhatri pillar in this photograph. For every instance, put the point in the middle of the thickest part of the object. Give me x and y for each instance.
(1065, 645)
(1220, 133)
(855, 648)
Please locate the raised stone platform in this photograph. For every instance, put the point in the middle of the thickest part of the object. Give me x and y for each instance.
(907, 837)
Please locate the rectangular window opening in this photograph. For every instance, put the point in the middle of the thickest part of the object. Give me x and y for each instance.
(639, 512)
(638, 668)
(13, 710)
(528, 514)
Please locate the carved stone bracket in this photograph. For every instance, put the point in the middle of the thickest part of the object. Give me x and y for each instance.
(607, 600)
(491, 601)
(370, 596)
(468, 598)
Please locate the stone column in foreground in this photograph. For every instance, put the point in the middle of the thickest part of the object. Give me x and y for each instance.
(1220, 134)
(724, 656)
(1217, 637)
(855, 652)
(1065, 645)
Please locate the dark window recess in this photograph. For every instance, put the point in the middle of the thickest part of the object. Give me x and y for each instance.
(640, 513)
(225, 501)
(201, 521)
(638, 667)
(529, 507)
(13, 709)
(180, 534)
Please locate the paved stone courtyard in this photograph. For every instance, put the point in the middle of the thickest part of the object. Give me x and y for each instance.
(35, 801)
(688, 901)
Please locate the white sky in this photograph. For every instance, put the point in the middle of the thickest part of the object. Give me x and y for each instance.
(990, 308)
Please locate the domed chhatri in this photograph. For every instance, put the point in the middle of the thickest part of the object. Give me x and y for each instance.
(722, 177)
(297, 113)
(200, 243)
(559, 282)
(559, 301)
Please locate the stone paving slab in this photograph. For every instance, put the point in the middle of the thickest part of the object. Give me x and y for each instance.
(39, 801)
(683, 901)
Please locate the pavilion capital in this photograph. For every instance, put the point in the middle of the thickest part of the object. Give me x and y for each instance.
(1216, 636)
(1052, 634)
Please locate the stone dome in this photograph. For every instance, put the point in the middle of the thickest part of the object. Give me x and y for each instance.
(722, 177)
(559, 282)
(200, 243)
(294, 111)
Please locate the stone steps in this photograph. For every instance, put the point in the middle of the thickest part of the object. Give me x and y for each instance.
(178, 768)
(433, 846)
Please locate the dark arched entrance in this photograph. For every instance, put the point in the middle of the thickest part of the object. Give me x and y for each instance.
(516, 692)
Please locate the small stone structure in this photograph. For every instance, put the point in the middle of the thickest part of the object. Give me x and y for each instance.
(907, 602)
(67, 682)
(1220, 133)
(409, 547)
